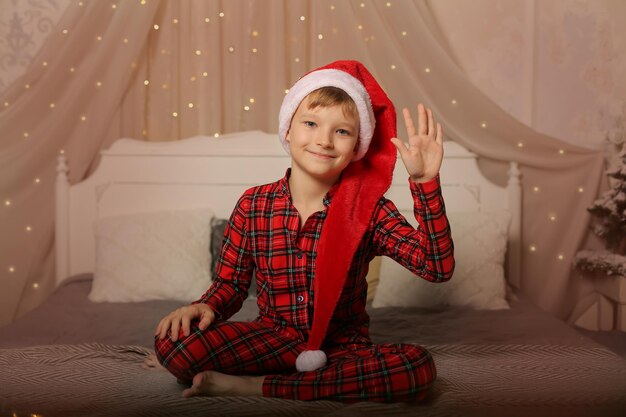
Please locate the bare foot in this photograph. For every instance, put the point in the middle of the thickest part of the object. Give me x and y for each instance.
(218, 384)
(151, 362)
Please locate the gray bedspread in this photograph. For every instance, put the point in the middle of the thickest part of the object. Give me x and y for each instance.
(71, 357)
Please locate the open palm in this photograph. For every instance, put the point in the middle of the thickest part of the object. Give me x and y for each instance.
(423, 154)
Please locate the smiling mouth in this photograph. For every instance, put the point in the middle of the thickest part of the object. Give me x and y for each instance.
(321, 155)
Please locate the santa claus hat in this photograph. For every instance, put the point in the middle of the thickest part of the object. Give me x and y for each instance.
(329, 77)
(363, 183)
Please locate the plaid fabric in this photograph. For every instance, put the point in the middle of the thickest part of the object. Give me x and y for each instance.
(264, 238)
(358, 371)
(265, 241)
(235, 348)
(361, 372)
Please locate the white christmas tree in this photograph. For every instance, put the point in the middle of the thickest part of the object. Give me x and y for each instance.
(610, 213)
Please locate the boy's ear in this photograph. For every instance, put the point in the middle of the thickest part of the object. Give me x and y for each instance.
(287, 135)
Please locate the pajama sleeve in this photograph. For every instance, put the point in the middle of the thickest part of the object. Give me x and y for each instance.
(427, 251)
(235, 266)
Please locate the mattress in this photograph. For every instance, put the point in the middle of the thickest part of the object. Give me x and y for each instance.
(72, 357)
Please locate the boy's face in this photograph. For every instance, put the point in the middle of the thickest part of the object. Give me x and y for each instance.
(322, 141)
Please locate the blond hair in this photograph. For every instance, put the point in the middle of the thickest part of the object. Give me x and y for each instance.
(333, 96)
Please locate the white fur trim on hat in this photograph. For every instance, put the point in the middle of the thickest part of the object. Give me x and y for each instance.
(329, 78)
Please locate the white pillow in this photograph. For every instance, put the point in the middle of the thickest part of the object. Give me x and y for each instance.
(478, 282)
(152, 256)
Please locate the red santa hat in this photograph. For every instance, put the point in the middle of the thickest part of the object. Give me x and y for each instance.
(363, 183)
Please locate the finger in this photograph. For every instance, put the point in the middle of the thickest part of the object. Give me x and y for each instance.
(190, 392)
(408, 122)
(205, 321)
(400, 146)
(165, 325)
(174, 330)
(160, 325)
(422, 121)
(431, 122)
(439, 138)
(186, 325)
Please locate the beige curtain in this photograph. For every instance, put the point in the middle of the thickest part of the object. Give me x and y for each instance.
(166, 70)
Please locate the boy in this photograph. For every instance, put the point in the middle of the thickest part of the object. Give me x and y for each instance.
(309, 238)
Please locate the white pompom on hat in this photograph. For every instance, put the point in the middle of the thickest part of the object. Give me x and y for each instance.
(329, 78)
(363, 182)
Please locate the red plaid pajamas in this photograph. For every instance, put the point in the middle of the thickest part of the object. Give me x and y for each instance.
(263, 238)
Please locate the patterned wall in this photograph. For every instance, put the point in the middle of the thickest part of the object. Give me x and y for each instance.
(24, 26)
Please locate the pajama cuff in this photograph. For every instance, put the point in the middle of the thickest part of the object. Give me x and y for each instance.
(425, 187)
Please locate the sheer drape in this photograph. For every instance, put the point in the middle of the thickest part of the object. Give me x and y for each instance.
(166, 70)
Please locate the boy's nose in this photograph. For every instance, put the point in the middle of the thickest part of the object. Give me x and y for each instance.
(325, 140)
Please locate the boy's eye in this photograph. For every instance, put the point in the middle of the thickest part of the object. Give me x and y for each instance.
(309, 124)
(343, 132)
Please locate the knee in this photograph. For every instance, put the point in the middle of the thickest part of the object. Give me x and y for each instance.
(174, 356)
(422, 365)
(163, 348)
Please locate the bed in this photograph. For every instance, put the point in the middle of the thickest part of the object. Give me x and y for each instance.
(79, 353)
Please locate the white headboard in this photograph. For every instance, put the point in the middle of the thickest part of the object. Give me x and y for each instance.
(136, 176)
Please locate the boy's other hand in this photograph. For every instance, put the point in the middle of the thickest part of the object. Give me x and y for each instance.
(181, 317)
(423, 155)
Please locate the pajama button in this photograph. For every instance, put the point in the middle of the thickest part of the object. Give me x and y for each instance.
(300, 298)
(299, 255)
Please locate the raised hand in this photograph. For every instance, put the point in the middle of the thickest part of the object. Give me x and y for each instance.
(423, 155)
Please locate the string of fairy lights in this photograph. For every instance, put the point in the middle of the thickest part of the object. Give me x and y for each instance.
(249, 102)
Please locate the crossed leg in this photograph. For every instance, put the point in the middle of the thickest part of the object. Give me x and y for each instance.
(229, 358)
(257, 358)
